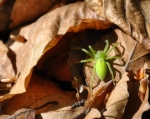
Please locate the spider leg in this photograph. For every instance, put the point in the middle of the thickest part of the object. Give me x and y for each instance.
(92, 50)
(111, 72)
(87, 60)
(112, 57)
(106, 47)
(92, 79)
(87, 52)
(115, 45)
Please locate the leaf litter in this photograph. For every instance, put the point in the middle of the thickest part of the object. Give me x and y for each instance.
(49, 46)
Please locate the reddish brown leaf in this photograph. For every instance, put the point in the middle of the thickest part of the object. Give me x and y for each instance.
(143, 88)
(140, 74)
(27, 11)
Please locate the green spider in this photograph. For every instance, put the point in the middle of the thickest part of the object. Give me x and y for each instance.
(100, 58)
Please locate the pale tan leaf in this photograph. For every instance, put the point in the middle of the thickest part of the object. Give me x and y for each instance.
(118, 99)
(130, 15)
(64, 113)
(20, 114)
(94, 113)
(7, 66)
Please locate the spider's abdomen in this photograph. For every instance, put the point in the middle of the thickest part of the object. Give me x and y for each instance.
(101, 68)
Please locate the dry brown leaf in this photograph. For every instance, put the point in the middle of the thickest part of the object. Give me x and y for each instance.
(124, 101)
(41, 95)
(7, 66)
(138, 59)
(135, 105)
(21, 114)
(118, 99)
(140, 74)
(130, 15)
(64, 113)
(96, 97)
(28, 11)
(41, 36)
(143, 88)
(94, 113)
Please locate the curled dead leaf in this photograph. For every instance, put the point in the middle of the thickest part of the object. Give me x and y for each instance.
(144, 106)
(96, 96)
(143, 88)
(140, 74)
(118, 99)
(130, 15)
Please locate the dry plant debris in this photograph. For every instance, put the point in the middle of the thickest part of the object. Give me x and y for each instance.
(40, 73)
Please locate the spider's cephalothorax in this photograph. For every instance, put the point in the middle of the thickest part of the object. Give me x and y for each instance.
(100, 58)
